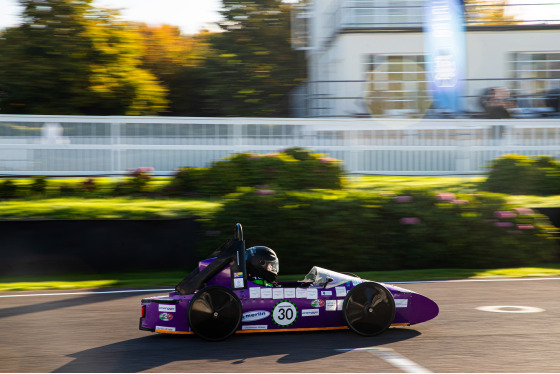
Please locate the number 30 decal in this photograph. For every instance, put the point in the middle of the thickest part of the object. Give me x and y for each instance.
(284, 313)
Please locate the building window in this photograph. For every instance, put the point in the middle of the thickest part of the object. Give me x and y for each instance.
(396, 85)
(535, 75)
(300, 27)
(383, 13)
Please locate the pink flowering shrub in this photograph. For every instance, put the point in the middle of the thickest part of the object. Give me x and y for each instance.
(445, 196)
(504, 214)
(410, 220)
(404, 199)
(357, 231)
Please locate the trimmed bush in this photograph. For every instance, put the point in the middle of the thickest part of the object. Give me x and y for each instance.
(8, 189)
(135, 184)
(294, 169)
(349, 231)
(39, 186)
(523, 175)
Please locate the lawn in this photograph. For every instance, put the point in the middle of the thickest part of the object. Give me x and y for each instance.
(171, 278)
(104, 206)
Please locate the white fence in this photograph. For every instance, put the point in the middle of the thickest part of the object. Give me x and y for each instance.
(80, 145)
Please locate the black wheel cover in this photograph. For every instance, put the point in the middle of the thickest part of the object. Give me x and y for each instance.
(214, 313)
(369, 308)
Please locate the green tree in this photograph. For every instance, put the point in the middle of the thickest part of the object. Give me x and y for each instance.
(252, 67)
(70, 58)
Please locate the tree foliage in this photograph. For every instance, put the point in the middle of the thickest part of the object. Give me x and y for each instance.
(252, 67)
(70, 58)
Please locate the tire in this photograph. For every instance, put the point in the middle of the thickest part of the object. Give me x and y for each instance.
(214, 313)
(369, 309)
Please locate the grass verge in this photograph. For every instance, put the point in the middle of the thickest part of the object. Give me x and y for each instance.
(171, 278)
(106, 208)
(102, 205)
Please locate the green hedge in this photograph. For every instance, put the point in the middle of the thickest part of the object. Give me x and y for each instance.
(293, 169)
(349, 231)
(523, 175)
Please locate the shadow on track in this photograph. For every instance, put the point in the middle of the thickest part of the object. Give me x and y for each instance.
(96, 296)
(153, 351)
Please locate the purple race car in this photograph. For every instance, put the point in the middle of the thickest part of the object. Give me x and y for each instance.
(234, 291)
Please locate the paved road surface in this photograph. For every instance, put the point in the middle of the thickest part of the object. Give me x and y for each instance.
(99, 333)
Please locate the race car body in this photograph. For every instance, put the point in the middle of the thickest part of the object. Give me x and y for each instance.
(218, 299)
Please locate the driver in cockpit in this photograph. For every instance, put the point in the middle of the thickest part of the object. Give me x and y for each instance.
(262, 266)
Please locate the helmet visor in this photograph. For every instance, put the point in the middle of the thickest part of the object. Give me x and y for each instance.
(272, 266)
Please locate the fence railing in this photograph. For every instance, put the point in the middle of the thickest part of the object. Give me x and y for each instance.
(320, 99)
(80, 145)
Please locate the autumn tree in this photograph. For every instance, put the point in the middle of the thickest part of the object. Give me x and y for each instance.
(178, 61)
(70, 58)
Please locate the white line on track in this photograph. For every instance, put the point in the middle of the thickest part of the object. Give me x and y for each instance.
(171, 289)
(393, 358)
(477, 280)
(90, 292)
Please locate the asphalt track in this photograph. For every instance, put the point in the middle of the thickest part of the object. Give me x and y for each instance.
(98, 332)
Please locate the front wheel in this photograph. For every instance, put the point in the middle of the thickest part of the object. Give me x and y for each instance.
(214, 313)
(369, 309)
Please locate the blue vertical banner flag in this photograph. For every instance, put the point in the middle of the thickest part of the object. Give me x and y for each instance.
(445, 47)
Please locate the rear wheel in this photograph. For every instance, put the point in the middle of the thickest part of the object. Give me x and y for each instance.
(214, 313)
(369, 308)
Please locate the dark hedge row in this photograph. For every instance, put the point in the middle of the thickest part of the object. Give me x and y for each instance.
(136, 183)
(524, 175)
(360, 232)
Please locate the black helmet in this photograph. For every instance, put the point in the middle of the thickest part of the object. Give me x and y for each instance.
(262, 262)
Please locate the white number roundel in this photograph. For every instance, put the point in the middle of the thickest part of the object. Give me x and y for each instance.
(284, 313)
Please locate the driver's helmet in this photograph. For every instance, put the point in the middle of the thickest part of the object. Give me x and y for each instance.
(262, 262)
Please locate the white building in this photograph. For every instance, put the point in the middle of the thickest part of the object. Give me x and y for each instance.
(367, 57)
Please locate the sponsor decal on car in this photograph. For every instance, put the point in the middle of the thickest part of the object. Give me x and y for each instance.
(339, 304)
(330, 305)
(255, 315)
(284, 313)
(312, 293)
(167, 308)
(238, 283)
(165, 328)
(238, 275)
(277, 293)
(401, 303)
(289, 293)
(255, 292)
(318, 303)
(165, 316)
(266, 293)
(309, 312)
(326, 293)
(340, 291)
(254, 327)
